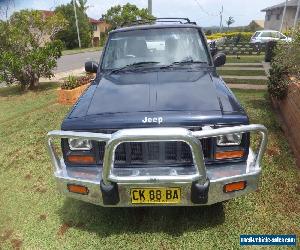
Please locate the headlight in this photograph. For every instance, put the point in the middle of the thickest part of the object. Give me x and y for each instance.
(229, 140)
(80, 144)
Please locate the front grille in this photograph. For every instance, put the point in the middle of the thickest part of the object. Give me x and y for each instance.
(154, 153)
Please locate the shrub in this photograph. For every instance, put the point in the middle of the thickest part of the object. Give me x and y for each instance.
(278, 81)
(285, 63)
(103, 38)
(27, 48)
(73, 82)
(244, 36)
(69, 36)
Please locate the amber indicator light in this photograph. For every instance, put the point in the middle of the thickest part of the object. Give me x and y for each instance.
(81, 159)
(235, 186)
(230, 154)
(78, 189)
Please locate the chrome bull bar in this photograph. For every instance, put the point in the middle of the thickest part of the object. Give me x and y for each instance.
(157, 134)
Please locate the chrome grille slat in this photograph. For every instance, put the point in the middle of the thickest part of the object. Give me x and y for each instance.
(155, 153)
(161, 153)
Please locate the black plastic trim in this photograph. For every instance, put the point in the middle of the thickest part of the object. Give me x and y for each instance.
(199, 193)
(110, 193)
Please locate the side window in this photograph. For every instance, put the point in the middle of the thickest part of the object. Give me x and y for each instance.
(274, 34)
(278, 35)
(256, 34)
(281, 36)
(265, 34)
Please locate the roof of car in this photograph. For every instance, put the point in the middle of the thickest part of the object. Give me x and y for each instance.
(267, 31)
(155, 26)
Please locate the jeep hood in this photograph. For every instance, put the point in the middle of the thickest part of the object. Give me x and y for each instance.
(181, 98)
(163, 91)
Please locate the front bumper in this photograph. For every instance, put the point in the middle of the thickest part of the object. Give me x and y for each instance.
(106, 181)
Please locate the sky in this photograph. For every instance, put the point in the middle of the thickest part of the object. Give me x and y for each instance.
(204, 12)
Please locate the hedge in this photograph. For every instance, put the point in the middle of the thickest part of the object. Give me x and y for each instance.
(245, 36)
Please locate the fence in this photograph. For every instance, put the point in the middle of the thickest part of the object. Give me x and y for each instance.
(241, 49)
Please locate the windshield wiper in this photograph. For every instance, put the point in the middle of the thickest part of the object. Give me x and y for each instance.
(184, 62)
(132, 66)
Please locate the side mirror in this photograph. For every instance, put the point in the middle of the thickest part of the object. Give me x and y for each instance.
(219, 59)
(91, 67)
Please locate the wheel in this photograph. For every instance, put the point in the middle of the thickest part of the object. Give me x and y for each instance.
(257, 47)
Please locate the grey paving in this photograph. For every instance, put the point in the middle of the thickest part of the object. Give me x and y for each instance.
(244, 64)
(247, 86)
(242, 68)
(246, 77)
(76, 61)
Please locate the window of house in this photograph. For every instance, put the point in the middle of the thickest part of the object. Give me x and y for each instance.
(268, 17)
(278, 16)
(95, 27)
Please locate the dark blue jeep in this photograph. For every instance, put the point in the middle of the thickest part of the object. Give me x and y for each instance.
(157, 126)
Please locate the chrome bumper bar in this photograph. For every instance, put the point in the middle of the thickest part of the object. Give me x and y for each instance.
(110, 176)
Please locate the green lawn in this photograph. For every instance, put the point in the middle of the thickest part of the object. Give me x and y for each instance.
(247, 81)
(241, 72)
(77, 51)
(245, 59)
(34, 216)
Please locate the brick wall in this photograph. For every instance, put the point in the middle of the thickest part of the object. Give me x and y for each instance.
(289, 110)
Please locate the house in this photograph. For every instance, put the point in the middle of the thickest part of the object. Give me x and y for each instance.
(274, 15)
(256, 25)
(99, 27)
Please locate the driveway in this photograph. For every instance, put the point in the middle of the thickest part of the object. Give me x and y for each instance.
(76, 61)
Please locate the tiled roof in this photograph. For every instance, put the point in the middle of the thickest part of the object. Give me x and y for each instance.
(95, 21)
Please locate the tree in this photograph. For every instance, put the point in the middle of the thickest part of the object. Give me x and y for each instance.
(27, 48)
(230, 21)
(118, 14)
(208, 32)
(69, 36)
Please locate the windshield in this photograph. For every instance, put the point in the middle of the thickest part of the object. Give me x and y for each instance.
(154, 47)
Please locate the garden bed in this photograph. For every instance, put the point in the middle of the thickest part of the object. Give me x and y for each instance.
(70, 97)
(289, 111)
(72, 89)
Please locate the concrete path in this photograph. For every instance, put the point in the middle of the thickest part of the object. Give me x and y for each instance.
(242, 68)
(249, 67)
(243, 64)
(247, 86)
(246, 77)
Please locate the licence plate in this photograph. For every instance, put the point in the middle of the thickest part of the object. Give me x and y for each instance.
(163, 195)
